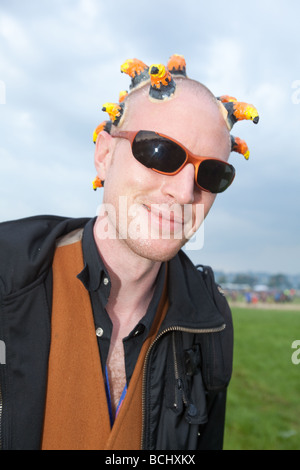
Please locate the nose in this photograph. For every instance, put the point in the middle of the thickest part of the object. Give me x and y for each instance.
(181, 186)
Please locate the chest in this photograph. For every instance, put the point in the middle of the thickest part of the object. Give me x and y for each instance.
(116, 373)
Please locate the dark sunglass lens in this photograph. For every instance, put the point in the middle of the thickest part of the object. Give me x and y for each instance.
(157, 152)
(215, 176)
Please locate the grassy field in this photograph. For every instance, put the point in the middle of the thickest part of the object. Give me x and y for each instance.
(263, 408)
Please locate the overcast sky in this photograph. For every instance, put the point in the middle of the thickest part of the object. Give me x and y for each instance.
(60, 61)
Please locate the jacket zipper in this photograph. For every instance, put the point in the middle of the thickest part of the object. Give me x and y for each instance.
(167, 330)
(179, 382)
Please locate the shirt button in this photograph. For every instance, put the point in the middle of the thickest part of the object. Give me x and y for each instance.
(105, 281)
(99, 332)
(139, 330)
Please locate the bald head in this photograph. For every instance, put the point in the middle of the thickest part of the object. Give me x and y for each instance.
(190, 115)
(189, 112)
(139, 97)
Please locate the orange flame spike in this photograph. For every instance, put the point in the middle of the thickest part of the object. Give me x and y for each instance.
(133, 67)
(162, 83)
(177, 65)
(159, 75)
(246, 111)
(238, 145)
(97, 183)
(137, 70)
(238, 111)
(104, 126)
(227, 99)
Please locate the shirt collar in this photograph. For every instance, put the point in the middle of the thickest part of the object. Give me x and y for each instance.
(148, 319)
(94, 270)
(94, 273)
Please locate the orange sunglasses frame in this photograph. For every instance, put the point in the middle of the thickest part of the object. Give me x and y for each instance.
(189, 156)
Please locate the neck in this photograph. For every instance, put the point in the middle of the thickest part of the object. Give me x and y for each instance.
(132, 279)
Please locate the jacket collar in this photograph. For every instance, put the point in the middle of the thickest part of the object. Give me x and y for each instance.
(191, 305)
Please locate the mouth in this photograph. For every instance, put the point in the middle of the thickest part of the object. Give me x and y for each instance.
(166, 213)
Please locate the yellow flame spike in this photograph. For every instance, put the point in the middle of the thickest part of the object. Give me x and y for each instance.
(95, 135)
(249, 112)
(104, 126)
(238, 111)
(159, 75)
(114, 110)
(162, 83)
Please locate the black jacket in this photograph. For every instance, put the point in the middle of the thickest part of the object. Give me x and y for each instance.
(187, 368)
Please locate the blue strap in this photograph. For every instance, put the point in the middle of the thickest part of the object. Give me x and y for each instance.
(107, 389)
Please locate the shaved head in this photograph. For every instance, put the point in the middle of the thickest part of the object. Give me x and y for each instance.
(135, 99)
(190, 100)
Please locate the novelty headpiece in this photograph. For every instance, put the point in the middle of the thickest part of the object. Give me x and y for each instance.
(162, 86)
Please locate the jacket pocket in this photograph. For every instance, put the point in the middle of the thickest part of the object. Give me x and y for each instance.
(25, 319)
(189, 395)
(182, 410)
(216, 353)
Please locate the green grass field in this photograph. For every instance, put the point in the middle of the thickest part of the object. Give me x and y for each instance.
(263, 407)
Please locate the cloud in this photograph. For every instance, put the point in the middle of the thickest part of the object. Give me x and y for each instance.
(60, 61)
(224, 69)
(14, 35)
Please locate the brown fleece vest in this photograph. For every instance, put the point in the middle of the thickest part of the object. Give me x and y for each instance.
(76, 413)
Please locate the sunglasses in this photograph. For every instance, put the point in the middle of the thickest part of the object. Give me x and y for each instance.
(167, 156)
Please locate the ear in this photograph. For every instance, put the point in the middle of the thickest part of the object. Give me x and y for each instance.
(103, 153)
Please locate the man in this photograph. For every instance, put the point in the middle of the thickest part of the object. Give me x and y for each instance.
(114, 339)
